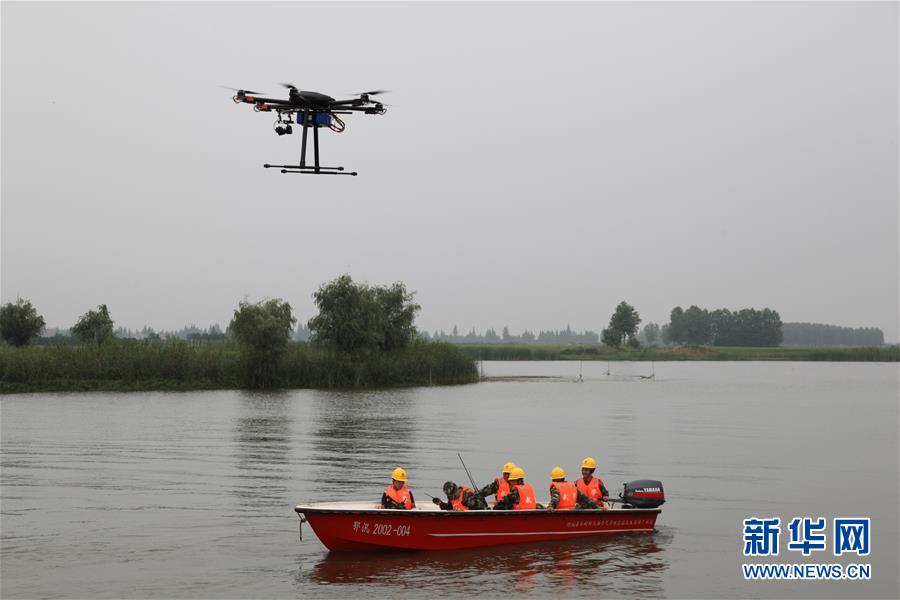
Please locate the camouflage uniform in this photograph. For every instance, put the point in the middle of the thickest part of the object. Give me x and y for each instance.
(470, 499)
(490, 489)
(583, 500)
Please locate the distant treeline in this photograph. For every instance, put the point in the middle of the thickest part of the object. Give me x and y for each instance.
(189, 333)
(602, 352)
(722, 327)
(818, 334)
(490, 336)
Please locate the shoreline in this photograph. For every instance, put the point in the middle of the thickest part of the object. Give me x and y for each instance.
(183, 366)
(598, 352)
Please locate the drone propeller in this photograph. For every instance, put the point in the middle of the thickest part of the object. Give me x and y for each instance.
(251, 92)
(372, 93)
(289, 86)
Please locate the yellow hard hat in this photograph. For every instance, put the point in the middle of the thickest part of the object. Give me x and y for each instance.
(589, 463)
(557, 473)
(398, 474)
(516, 473)
(508, 467)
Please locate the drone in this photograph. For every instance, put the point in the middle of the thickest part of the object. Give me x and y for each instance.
(310, 110)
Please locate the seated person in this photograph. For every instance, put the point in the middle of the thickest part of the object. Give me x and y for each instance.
(564, 495)
(460, 497)
(521, 494)
(398, 495)
(591, 486)
(499, 487)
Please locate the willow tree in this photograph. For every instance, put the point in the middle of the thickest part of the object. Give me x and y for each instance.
(20, 322)
(94, 326)
(262, 330)
(356, 317)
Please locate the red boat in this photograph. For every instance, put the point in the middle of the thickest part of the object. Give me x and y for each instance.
(365, 526)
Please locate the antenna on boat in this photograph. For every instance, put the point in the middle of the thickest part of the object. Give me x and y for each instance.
(475, 487)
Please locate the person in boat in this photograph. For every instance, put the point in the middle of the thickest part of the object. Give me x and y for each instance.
(460, 497)
(521, 495)
(398, 495)
(564, 495)
(591, 486)
(499, 487)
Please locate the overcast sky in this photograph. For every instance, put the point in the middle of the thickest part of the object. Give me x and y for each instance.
(539, 163)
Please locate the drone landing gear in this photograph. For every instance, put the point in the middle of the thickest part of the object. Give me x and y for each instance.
(310, 120)
(310, 170)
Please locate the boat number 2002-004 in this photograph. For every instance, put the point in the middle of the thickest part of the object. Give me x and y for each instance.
(382, 529)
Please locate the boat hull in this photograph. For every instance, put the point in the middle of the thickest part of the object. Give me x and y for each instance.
(344, 529)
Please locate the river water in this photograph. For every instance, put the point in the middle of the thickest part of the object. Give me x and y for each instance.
(190, 495)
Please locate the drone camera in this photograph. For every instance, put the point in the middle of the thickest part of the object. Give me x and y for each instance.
(284, 130)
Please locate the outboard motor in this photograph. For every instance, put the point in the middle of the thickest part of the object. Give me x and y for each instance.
(643, 493)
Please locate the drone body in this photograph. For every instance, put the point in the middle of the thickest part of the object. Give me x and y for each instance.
(310, 110)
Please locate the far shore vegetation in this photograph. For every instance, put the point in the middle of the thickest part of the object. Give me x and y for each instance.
(602, 352)
(130, 365)
(364, 337)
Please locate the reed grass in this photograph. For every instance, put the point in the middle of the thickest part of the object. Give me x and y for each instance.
(122, 365)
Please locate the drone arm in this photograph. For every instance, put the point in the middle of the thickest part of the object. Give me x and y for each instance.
(259, 99)
(369, 110)
(343, 103)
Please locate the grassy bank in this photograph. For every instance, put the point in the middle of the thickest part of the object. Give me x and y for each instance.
(129, 366)
(600, 352)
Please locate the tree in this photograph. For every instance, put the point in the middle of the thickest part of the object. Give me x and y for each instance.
(398, 312)
(611, 337)
(94, 326)
(650, 333)
(357, 317)
(349, 318)
(20, 322)
(623, 324)
(691, 326)
(746, 327)
(262, 330)
(664, 334)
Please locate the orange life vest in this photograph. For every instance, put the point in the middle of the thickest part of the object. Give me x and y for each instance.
(457, 503)
(568, 494)
(400, 496)
(502, 488)
(592, 489)
(526, 497)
